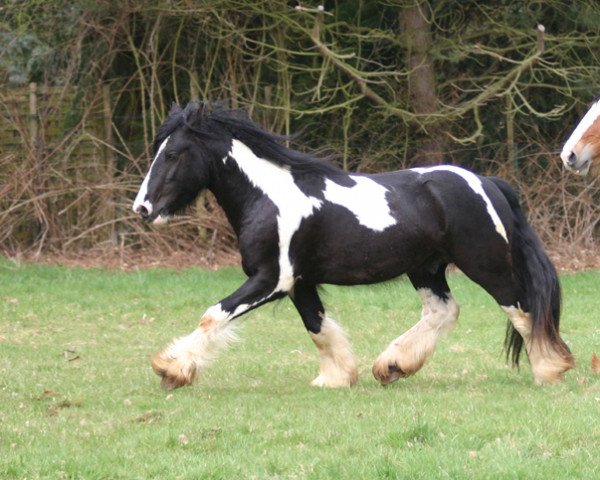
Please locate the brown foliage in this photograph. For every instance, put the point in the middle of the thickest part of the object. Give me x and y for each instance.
(503, 101)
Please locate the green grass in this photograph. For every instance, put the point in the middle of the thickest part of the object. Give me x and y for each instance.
(78, 398)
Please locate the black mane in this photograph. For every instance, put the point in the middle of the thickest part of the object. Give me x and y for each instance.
(213, 123)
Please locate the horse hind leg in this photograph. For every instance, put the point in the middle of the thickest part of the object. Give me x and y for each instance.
(548, 355)
(337, 364)
(549, 360)
(408, 353)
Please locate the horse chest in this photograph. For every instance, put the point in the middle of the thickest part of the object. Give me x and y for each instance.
(293, 205)
(361, 202)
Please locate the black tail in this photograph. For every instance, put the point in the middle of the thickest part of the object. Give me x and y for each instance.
(538, 281)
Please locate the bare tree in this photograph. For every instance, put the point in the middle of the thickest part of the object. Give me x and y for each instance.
(415, 34)
(378, 85)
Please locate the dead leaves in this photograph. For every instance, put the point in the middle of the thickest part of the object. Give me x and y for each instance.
(52, 410)
(70, 354)
(56, 404)
(595, 364)
(150, 416)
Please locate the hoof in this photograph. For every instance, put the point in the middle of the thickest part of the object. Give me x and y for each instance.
(173, 372)
(550, 369)
(595, 363)
(388, 373)
(345, 380)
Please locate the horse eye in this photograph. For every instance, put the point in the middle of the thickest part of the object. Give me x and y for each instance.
(171, 156)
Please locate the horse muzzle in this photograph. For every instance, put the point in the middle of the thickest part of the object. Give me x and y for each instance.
(579, 164)
(145, 211)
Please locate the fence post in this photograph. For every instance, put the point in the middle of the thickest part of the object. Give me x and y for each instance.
(111, 211)
(38, 229)
(33, 121)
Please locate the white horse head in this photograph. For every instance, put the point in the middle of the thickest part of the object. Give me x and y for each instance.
(582, 149)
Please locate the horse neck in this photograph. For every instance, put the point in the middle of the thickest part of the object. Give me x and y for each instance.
(235, 196)
(245, 179)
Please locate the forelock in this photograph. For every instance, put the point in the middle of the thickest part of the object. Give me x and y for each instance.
(173, 122)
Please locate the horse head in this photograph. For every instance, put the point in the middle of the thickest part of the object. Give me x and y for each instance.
(181, 167)
(582, 149)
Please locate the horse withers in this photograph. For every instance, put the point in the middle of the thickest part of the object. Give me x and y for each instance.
(582, 149)
(302, 222)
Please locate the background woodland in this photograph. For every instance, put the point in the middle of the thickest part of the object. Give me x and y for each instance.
(374, 85)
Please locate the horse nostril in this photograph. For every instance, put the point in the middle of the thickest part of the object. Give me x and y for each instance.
(143, 211)
(572, 159)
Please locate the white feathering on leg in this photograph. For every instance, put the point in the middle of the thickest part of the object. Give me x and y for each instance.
(338, 367)
(196, 350)
(410, 351)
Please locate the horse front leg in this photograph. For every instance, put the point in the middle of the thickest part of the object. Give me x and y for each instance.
(338, 367)
(180, 362)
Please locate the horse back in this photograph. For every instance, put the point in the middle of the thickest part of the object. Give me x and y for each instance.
(380, 240)
(434, 216)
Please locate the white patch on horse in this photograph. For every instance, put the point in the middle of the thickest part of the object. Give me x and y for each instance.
(366, 200)
(521, 320)
(277, 183)
(140, 199)
(475, 183)
(586, 122)
(219, 315)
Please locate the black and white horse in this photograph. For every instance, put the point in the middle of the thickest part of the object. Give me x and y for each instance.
(302, 222)
(582, 149)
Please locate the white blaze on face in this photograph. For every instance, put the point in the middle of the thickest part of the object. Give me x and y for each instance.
(475, 184)
(140, 199)
(366, 200)
(278, 184)
(585, 123)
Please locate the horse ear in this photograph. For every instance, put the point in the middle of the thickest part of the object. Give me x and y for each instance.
(174, 109)
(196, 111)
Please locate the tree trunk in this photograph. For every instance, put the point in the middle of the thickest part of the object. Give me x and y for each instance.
(416, 37)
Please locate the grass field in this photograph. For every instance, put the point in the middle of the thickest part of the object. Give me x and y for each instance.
(78, 398)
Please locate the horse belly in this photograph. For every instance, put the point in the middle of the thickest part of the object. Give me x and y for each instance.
(362, 257)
